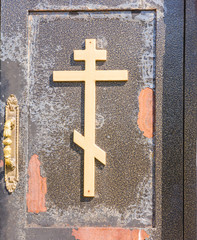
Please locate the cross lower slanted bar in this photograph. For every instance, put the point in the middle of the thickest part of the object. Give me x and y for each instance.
(90, 75)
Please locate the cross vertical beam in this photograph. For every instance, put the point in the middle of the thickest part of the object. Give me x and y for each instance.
(90, 75)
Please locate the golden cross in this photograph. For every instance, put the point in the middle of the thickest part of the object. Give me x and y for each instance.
(90, 75)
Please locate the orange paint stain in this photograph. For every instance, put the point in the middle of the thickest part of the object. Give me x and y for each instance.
(94, 233)
(145, 115)
(37, 187)
(139, 234)
(1, 163)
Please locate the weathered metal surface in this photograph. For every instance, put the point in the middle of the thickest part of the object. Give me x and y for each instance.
(29, 61)
(172, 124)
(124, 188)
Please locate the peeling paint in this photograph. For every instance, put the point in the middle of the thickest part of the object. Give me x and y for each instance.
(146, 66)
(99, 121)
(109, 234)
(142, 210)
(2, 109)
(145, 115)
(37, 187)
(1, 163)
(101, 42)
(13, 49)
(132, 4)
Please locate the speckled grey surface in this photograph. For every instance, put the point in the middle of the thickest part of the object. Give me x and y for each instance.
(124, 189)
(17, 78)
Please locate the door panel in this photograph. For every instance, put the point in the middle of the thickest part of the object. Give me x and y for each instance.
(56, 109)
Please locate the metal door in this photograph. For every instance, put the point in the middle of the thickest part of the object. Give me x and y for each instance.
(139, 121)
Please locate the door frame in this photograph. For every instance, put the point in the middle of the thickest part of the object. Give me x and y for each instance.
(190, 126)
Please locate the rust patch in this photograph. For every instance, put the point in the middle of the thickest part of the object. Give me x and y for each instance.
(145, 115)
(109, 234)
(1, 163)
(139, 234)
(37, 187)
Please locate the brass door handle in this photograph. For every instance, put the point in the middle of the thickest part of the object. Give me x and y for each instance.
(11, 135)
(7, 133)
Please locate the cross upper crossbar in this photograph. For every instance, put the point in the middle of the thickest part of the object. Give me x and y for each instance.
(90, 75)
(100, 75)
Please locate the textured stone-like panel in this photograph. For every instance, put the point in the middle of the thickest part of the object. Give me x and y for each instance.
(37, 187)
(124, 187)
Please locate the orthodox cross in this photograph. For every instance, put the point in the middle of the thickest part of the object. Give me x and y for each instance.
(90, 75)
